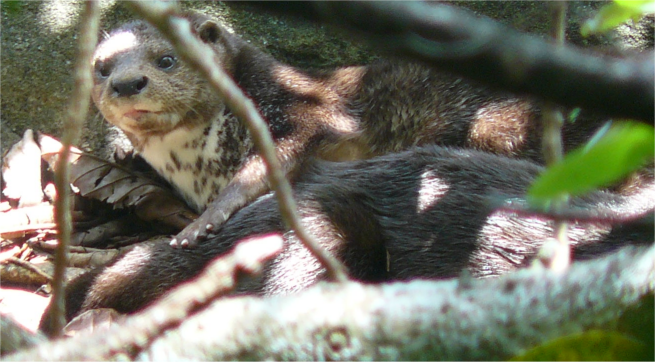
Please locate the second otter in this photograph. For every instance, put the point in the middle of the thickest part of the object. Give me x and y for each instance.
(422, 213)
(186, 133)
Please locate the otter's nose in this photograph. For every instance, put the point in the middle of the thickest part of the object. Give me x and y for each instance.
(129, 87)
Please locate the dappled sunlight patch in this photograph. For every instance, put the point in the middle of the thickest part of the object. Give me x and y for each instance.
(431, 190)
(58, 16)
(117, 43)
(501, 127)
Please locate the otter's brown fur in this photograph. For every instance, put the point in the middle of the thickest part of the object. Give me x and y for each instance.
(421, 213)
(188, 135)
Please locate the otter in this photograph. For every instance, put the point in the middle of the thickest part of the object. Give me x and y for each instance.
(422, 213)
(181, 128)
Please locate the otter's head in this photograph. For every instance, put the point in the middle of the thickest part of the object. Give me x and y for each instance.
(143, 87)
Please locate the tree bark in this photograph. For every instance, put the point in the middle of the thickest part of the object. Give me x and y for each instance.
(452, 319)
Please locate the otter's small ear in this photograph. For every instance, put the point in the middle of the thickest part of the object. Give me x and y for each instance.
(209, 31)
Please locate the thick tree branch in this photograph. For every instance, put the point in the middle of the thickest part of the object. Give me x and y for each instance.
(453, 39)
(451, 319)
(424, 320)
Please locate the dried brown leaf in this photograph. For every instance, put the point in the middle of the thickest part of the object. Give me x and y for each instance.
(92, 320)
(94, 259)
(98, 235)
(17, 274)
(21, 171)
(105, 181)
(26, 219)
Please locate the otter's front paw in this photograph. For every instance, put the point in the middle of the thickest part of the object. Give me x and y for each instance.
(198, 230)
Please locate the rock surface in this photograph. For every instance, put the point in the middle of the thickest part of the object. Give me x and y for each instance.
(39, 47)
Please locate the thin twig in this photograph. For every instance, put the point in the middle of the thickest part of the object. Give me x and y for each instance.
(73, 124)
(553, 119)
(200, 56)
(576, 215)
(552, 143)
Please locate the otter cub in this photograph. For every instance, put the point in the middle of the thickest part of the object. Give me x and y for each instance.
(420, 213)
(187, 134)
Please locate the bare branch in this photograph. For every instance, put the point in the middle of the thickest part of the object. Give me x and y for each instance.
(611, 217)
(78, 109)
(553, 150)
(199, 55)
(429, 320)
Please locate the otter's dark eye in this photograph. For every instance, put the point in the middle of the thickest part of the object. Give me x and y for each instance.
(166, 62)
(103, 69)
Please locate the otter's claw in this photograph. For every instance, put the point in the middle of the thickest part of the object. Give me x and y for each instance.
(198, 230)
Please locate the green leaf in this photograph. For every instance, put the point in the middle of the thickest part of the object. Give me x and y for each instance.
(614, 14)
(644, 6)
(637, 322)
(623, 149)
(593, 345)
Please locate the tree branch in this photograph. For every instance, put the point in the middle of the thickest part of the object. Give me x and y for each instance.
(451, 319)
(553, 120)
(478, 48)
